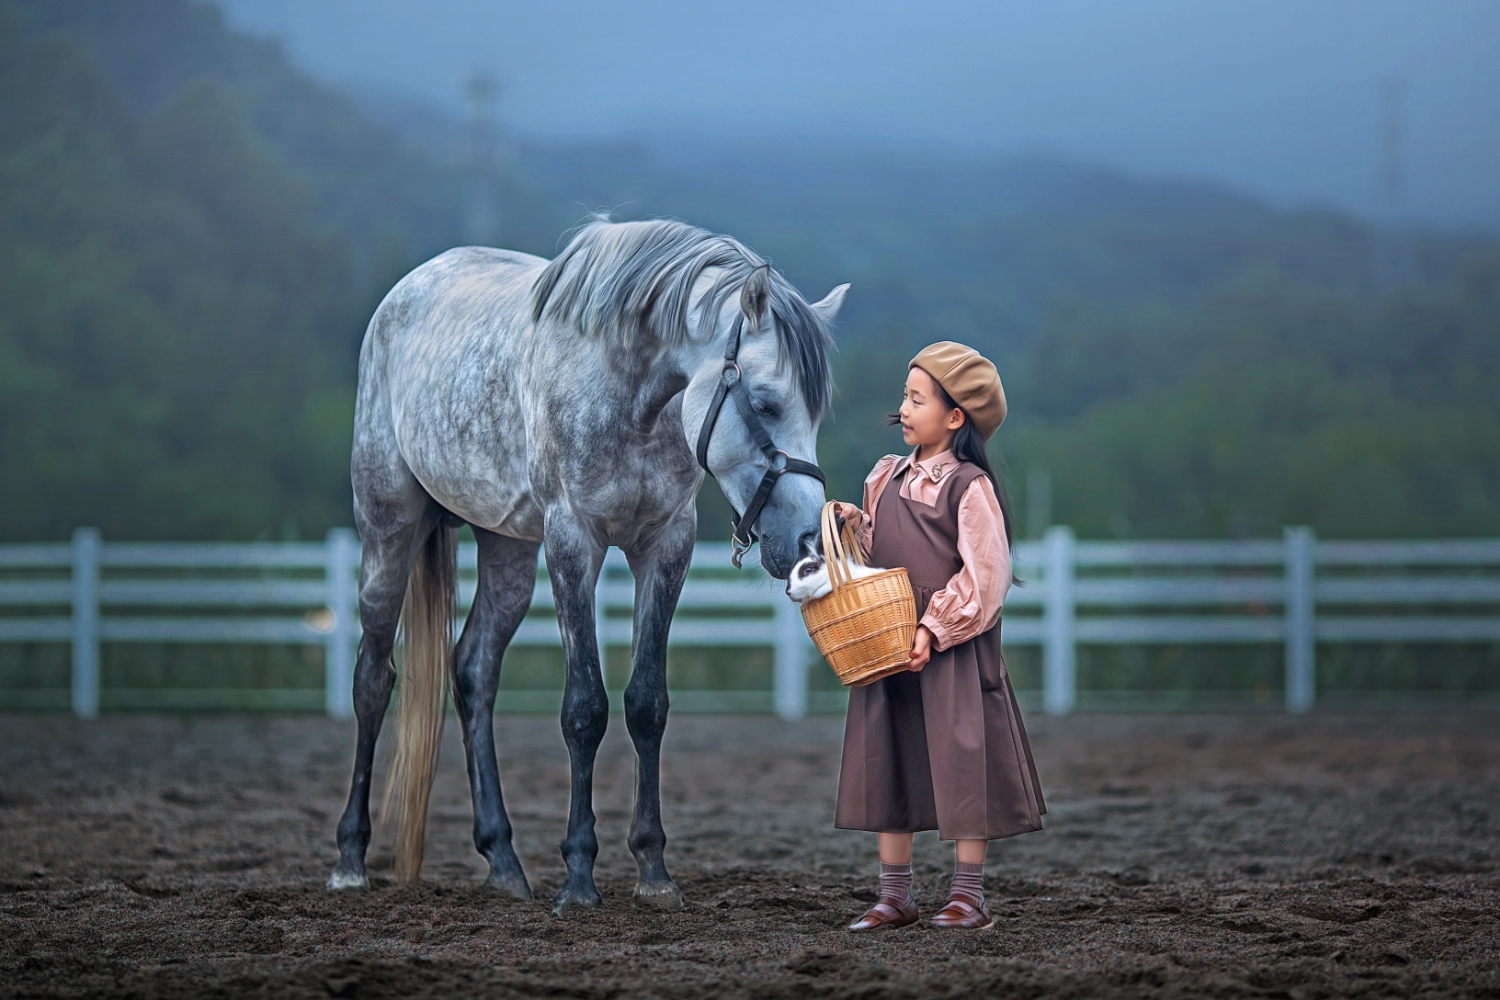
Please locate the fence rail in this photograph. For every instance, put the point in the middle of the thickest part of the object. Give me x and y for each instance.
(1297, 592)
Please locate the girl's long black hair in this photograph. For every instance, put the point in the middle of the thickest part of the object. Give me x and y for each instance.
(968, 446)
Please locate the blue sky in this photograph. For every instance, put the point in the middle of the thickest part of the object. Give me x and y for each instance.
(1278, 97)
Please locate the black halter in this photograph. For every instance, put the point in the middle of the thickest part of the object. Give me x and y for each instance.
(779, 463)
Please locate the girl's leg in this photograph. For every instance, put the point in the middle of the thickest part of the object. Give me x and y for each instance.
(965, 907)
(896, 906)
(895, 848)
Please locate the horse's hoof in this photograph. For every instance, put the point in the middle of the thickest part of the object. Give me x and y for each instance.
(513, 884)
(341, 880)
(574, 899)
(659, 895)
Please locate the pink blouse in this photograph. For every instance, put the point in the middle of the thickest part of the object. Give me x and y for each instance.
(970, 603)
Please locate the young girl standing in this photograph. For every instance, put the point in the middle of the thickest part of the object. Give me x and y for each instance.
(940, 746)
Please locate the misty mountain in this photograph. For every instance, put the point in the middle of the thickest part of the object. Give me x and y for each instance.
(390, 200)
(984, 246)
(931, 239)
(196, 232)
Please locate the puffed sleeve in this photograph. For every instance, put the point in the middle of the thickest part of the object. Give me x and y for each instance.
(874, 485)
(970, 603)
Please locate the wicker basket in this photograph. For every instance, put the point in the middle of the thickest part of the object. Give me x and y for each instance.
(863, 628)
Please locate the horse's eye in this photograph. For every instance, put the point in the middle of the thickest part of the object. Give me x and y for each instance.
(765, 409)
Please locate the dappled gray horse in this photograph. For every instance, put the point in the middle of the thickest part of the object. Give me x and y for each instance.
(575, 404)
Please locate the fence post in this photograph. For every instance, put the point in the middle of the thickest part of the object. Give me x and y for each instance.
(1301, 667)
(86, 622)
(1059, 667)
(612, 559)
(791, 661)
(343, 638)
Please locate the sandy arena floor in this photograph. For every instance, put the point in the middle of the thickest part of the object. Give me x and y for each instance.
(1249, 855)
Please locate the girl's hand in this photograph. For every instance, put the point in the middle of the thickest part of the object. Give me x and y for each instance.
(921, 649)
(850, 513)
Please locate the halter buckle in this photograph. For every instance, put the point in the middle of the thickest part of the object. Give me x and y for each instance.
(731, 373)
(737, 549)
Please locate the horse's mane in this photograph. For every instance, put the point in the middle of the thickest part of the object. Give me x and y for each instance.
(634, 280)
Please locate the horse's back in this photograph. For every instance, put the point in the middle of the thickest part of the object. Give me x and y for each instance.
(439, 388)
(445, 295)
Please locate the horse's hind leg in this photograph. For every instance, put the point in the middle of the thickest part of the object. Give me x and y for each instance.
(390, 532)
(574, 558)
(507, 574)
(659, 576)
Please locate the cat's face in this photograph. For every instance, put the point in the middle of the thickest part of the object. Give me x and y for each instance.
(808, 579)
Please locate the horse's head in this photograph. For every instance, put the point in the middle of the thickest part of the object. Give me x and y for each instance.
(781, 368)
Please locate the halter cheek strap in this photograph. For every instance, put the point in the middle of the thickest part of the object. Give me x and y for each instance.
(778, 462)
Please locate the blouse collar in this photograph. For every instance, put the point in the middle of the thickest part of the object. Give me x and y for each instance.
(934, 468)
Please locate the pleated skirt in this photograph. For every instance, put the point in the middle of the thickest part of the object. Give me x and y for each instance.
(944, 749)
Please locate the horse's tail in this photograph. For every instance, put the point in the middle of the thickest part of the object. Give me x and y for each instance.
(427, 659)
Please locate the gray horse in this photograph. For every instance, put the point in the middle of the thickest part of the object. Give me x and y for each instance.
(560, 403)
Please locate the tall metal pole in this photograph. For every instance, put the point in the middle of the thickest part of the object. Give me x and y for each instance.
(1395, 254)
(482, 222)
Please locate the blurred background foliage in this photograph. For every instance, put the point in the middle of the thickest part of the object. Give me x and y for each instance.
(193, 233)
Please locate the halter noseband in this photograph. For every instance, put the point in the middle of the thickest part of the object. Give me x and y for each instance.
(778, 462)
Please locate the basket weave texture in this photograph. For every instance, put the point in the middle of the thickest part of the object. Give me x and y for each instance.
(864, 627)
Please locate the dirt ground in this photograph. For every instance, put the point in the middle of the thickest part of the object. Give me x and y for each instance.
(1234, 855)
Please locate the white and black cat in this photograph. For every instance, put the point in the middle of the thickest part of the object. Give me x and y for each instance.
(809, 578)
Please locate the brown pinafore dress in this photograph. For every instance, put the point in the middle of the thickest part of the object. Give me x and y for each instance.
(945, 748)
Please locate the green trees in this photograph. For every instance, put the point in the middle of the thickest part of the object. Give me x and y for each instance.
(1272, 403)
(176, 342)
(193, 234)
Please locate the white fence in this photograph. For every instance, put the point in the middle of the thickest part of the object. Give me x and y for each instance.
(1297, 592)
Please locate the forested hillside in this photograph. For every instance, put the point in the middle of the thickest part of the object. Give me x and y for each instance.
(1271, 403)
(193, 233)
(1180, 361)
(387, 200)
(174, 327)
(988, 245)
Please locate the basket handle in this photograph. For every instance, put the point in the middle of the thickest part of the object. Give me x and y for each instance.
(840, 548)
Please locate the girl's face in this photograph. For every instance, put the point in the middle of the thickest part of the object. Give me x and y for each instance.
(927, 423)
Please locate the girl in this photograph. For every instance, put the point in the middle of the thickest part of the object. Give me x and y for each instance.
(942, 745)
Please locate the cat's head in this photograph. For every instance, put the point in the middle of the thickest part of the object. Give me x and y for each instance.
(808, 579)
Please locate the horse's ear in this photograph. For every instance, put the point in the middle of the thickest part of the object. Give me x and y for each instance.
(756, 295)
(828, 307)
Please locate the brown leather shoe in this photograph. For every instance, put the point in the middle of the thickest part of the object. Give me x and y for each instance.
(961, 913)
(886, 914)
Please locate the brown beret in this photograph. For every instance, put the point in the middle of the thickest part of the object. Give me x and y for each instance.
(969, 378)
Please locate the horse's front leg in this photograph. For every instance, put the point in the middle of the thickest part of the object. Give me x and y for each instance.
(574, 559)
(659, 575)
